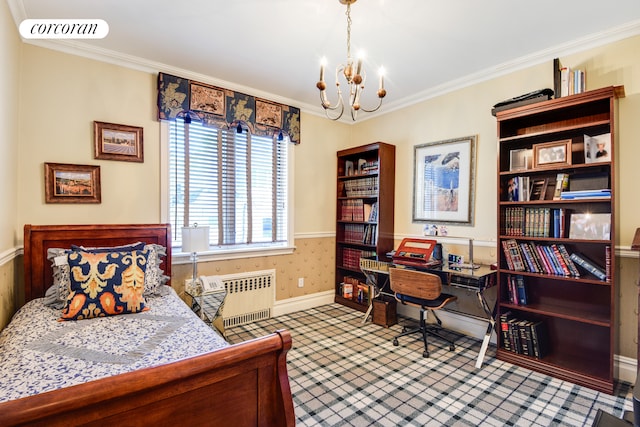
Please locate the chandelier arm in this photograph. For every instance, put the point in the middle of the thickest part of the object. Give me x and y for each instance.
(375, 109)
(326, 112)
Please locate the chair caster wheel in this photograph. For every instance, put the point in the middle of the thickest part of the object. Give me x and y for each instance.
(395, 342)
(404, 329)
(452, 347)
(425, 354)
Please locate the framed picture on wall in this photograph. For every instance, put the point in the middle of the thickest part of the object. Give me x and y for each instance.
(67, 183)
(117, 142)
(443, 186)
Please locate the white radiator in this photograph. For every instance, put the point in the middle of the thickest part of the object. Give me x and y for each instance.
(250, 296)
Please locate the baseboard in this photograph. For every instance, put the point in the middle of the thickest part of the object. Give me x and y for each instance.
(625, 368)
(304, 302)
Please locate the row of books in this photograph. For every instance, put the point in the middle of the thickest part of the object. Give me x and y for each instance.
(517, 290)
(360, 167)
(567, 81)
(354, 289)
(367, 186)
(534, 221)
(358, 210)
(361, 233)
(351, 257)
(522, 336)
(551, 259)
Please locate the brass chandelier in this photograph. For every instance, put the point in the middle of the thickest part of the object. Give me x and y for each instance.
(355, 77)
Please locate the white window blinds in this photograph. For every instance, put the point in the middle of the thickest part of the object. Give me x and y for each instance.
(236, 183)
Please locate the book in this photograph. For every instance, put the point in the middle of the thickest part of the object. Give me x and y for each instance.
(589, 266)
(568, 261)
(557, 66)
(521, 290)
(504, 329)
(565, 81)
(590, 226)
(562, 183)
(512, 250)
(540, 339)
(507, 255)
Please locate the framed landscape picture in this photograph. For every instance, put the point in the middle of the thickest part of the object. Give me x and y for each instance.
(67, 183)
(118, 142)
(443, 187)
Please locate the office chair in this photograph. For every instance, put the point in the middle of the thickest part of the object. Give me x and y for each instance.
(423, 290)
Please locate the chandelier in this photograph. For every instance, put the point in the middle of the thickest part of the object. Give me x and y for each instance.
(355, 77)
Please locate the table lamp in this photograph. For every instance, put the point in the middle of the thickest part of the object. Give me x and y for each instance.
(195, 239)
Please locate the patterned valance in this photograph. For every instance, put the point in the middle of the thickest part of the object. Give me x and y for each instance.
(224, 107)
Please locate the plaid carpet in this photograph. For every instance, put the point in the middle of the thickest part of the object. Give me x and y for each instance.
(345, 373)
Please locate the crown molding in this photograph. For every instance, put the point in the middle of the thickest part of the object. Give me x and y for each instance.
(128, 61)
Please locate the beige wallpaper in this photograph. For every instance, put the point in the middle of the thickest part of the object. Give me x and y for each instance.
(313, 260)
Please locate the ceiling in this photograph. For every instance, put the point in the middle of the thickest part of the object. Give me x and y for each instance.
(273, 48)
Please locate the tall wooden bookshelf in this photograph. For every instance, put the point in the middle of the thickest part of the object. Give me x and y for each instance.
(571, 309)
(364, 216)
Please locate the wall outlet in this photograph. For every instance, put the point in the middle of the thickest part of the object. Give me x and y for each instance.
(301, 282)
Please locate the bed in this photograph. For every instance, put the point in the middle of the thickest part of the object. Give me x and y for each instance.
(244, 384)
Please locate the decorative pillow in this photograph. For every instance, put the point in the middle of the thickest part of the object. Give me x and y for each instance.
(154, 276)
(105, 284)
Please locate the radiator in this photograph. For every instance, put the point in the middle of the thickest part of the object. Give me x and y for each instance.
(250, 296)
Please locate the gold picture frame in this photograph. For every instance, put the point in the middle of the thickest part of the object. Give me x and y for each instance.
(68, 183)
(118, 142)
(552, 154)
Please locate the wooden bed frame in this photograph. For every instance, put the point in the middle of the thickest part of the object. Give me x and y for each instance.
(245, 384)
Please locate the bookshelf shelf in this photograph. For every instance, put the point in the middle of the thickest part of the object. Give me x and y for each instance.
(364, 216)
(554, 270)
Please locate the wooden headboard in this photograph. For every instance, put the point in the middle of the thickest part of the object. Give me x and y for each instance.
(38, 275)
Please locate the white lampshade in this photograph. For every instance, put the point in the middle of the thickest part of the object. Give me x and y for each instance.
(195, 239)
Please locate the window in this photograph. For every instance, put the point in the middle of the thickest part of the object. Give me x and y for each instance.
(236, 183)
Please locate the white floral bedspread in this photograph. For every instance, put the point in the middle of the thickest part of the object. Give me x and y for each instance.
(38, 353)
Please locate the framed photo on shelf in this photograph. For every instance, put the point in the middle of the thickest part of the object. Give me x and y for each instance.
(443, 187)
(520, 159)
(67, 183)
(597, 148)
(548, 154)
(117, 142)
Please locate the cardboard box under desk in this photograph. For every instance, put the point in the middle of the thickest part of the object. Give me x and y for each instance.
(384, 311)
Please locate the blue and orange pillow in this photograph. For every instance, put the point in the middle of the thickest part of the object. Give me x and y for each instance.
(105, 283)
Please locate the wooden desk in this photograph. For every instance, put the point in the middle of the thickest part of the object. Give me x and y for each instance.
(477, 281)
